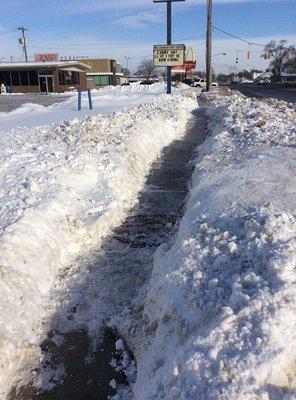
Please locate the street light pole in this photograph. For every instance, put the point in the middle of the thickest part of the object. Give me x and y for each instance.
(209, 47)
(169, 41)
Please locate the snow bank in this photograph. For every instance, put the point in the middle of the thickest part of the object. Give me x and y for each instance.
(105, 101)
(62, 189)
(221, 304)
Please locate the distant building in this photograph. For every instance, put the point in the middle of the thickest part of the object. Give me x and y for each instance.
(288, 79)
(43, 77)
(103, 72)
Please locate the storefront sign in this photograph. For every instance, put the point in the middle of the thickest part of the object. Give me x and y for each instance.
(170, 55)
(188, 65)
(46, 57)
(179, 70)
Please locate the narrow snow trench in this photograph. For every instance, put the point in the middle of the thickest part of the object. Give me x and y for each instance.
(105, 301)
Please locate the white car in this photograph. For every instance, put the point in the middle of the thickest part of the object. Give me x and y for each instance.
(202, 83)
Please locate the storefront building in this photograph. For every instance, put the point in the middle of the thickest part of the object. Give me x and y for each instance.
(103, 72)
(43, 77)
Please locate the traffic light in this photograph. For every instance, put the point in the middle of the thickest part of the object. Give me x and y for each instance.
(248, 55)
(236, 60)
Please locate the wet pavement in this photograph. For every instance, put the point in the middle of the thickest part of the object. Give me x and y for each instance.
(119, 272)
(266, 91)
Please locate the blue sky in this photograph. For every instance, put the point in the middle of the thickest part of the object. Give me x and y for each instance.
(128, 28)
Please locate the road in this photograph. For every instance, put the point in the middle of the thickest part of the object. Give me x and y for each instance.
(266, 92)
(11, 102)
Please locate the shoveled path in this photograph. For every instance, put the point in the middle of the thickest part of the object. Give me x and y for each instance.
(119, 272)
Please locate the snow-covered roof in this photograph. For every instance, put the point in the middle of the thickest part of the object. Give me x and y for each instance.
(49, 64)
(288, 75)
(103, 73)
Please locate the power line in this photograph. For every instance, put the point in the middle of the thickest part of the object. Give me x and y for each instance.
(239, 38)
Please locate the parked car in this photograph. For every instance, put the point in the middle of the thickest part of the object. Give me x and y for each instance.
(289, 81)
(188, 81)
(202, 83)
(263, 79)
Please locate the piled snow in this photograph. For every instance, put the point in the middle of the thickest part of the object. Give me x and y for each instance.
(105, 101)
(221, 304)
(62, 189)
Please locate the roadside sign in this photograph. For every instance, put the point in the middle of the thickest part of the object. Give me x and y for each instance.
(171, 55)
(179, 70)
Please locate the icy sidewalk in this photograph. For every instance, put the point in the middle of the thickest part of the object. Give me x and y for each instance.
(221, 304)
(107, 287)
(62, 189)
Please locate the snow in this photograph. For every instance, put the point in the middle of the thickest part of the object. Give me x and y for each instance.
(220, 308)
(105, 101)
(63, 187)
(217, 320)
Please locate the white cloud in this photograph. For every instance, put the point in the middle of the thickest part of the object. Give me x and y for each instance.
(141, 19)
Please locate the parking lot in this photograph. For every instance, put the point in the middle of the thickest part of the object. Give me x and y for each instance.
(11, 102)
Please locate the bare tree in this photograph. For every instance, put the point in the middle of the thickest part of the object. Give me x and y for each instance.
(290, 65)
(279, 54)
(125, 72)
(145, 69)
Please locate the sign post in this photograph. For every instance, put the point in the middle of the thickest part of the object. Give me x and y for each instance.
(169, 38)
(169, 41)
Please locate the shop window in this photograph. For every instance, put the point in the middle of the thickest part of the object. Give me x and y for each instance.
(62, 80)
(101, 80)
(24, 78)
(5, 78)
(15, 78)
(33, 78)
(68, 78)
(75, 78)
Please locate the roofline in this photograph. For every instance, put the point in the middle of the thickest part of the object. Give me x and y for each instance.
(40, 65)
(103, 73)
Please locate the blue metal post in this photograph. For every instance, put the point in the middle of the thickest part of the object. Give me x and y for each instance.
(169, 41)
(89, 99)
(79, 99)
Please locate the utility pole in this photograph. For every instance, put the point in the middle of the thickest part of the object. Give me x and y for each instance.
(126, 60)
(209, 47)
(23, 41)
(169, 41)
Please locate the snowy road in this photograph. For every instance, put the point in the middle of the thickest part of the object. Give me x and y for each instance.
(121, 266)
